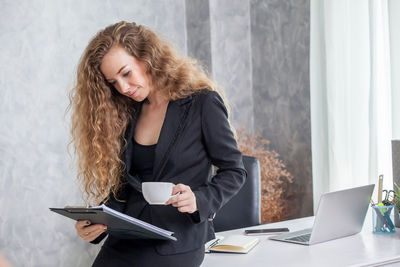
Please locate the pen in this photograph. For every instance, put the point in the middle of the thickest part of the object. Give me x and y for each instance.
(214, 243)
(380, 188)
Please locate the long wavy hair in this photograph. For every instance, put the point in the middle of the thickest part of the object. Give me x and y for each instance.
(100, 114)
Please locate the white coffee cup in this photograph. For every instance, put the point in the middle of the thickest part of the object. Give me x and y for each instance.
(157, 193)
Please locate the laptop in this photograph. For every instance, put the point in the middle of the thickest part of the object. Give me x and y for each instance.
(340, 213)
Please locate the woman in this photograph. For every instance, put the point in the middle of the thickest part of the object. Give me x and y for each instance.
(143, 113)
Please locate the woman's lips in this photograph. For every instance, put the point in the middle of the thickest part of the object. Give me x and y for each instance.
(133, 93)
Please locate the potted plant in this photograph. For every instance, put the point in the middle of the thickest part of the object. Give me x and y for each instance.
(396, 203)
(274, 177)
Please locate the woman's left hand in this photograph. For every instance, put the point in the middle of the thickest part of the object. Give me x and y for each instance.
(185, 201)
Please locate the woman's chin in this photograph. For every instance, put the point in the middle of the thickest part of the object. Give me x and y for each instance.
(138, 98)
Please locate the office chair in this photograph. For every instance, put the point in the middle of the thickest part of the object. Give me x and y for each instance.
(244, 209)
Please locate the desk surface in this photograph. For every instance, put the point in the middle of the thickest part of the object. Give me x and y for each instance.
(363, 249)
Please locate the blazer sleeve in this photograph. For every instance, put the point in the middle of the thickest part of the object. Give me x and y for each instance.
(223, 153)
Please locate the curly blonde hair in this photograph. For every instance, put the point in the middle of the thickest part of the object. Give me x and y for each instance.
(100, 114)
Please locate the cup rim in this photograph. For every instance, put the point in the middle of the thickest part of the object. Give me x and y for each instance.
(157, 183)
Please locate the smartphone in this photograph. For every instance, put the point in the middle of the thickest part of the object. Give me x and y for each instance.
(268, 231)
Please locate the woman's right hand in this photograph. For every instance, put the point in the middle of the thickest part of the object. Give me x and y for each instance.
(89, 232)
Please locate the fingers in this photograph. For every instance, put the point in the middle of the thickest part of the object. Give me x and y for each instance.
(178, 200)
(89, 232)
(178, 192)
(182, 203)
(180, 188)
(185, 201)
(185, 205)
(81, 224)
(93, 235)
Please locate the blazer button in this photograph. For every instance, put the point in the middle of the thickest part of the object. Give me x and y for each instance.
(211, 218)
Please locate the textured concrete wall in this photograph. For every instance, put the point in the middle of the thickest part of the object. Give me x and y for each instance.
(198, 32)
(231, 57)
(41, 42)
(280, 58)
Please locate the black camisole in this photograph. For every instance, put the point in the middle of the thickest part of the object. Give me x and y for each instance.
(143, 160)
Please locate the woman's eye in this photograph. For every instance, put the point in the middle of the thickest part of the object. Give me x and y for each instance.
(126, 73)
(112, 83)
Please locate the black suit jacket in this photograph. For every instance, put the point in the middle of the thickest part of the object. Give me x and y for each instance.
(194, 135)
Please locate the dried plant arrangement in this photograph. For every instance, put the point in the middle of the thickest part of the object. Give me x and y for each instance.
(274, 177)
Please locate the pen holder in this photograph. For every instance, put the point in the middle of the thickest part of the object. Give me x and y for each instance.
(381, 221)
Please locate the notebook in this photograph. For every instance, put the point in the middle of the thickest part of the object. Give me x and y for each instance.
(232, 244)
(118, 224)
(340, 214)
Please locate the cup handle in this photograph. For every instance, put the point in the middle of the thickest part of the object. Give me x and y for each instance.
(174, 195)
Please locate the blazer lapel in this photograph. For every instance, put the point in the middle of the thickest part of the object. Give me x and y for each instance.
(174, 122)
(133, 180)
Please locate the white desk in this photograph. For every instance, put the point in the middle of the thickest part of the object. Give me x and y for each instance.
(363, 249)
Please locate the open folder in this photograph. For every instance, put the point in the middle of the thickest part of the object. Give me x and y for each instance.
(118, 224)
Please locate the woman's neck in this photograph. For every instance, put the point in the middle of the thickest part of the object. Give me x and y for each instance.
(156, 99)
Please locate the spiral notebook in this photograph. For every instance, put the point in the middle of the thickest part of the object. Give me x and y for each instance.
(232, 244)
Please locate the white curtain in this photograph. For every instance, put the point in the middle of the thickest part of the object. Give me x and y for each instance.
(394, 32)
(352, 76)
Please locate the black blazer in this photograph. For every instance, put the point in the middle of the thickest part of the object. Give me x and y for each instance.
(194, 135)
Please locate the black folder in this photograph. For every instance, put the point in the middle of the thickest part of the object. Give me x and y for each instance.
(118, 224)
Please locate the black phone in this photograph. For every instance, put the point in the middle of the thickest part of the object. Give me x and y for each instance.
(267, 231)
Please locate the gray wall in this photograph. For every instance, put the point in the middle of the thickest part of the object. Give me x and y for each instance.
(231, 57)
(198, 32)
(260, 56)
(280, 32)
(256, 50)
(41, 43)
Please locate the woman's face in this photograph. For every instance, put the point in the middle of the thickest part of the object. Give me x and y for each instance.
(126, 74)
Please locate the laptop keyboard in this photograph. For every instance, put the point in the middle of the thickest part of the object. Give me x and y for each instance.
(301, 238)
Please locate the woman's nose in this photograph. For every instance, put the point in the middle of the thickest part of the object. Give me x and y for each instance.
(124, 86)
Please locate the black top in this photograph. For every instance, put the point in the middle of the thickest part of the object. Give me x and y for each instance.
(143, 160)
(142, 252)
